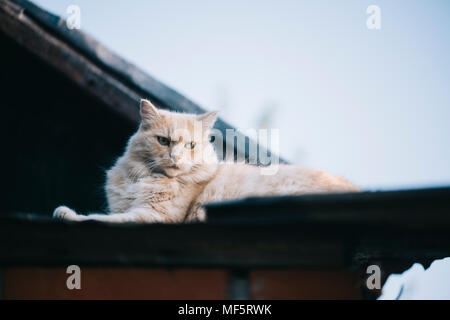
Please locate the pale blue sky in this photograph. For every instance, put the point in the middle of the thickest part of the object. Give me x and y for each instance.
(371, 105)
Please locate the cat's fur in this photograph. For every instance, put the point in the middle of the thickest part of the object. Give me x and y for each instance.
(153, 182)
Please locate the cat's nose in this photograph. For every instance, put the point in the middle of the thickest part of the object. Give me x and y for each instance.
(176, 154)
(175, 158)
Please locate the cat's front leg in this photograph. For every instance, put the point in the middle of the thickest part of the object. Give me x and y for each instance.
(65, 213)
(196, 214)
(134, 215)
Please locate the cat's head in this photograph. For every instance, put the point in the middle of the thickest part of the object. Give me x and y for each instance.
(174, 143)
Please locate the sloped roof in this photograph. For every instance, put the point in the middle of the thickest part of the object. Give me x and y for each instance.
(92, 66)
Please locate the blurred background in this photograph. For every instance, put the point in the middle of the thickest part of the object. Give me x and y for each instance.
(370, 105)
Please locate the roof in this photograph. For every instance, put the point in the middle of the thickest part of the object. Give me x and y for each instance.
(338, 231)
(92, 66)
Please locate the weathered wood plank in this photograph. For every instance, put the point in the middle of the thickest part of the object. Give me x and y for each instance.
(57, 243)
(313, 237)
(421, 209)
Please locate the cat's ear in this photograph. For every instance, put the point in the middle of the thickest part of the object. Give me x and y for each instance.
(208, 119)
(149, 112)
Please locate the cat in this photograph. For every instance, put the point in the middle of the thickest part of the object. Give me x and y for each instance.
(170, 169)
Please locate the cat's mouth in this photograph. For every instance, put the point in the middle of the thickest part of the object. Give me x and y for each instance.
(173, 170)
(176, 169)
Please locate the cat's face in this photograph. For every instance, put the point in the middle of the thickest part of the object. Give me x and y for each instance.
(175, 143)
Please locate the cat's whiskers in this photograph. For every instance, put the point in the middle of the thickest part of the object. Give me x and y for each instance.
(137, 172)
(152, 165)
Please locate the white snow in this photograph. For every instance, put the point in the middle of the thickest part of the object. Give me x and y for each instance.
(416, 283)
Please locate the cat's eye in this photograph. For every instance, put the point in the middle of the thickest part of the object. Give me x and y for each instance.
(163, 141)
(189, 145)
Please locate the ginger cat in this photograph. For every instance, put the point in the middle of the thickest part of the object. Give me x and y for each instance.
(170, 169)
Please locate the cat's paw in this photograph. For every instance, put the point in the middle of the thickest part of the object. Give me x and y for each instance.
(65, 213)
(198, 214)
